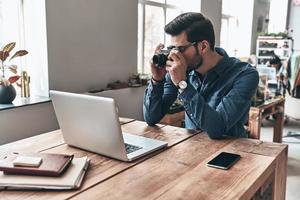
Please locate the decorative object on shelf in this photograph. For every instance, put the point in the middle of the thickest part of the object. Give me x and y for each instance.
(7, 91)
(134, 81)
(25, 80)
(268, 46)
(7, 94)
(280, 35)
(145, 78)
(116, 85)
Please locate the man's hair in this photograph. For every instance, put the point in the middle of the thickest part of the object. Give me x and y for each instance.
(195, 25)
(275, 60)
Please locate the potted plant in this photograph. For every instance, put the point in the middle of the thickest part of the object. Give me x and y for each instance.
(7, 91)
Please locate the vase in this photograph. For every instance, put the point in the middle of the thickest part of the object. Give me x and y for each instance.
(7, 94)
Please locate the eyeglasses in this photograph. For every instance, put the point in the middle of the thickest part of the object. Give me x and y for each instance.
(182, 49)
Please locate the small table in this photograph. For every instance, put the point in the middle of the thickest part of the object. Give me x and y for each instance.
(273, 107)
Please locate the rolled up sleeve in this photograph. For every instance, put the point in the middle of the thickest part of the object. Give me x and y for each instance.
(157, 100)
(218, 121)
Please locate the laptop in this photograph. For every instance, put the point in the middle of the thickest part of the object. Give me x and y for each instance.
(92, 123)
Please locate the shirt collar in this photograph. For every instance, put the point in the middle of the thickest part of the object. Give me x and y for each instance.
(221, 65)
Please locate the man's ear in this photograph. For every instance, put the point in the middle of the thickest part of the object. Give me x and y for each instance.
(204, 47)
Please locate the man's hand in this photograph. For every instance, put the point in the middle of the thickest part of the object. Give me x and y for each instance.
(158, 73)
(176, 66)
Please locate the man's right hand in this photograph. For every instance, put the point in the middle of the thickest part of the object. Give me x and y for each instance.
(158, 74)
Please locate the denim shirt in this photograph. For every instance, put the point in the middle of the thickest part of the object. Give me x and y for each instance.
(217, 103)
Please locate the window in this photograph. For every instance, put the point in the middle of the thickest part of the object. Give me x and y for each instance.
(236, 27)
(278, 16)
(24, 22)
(152, 17)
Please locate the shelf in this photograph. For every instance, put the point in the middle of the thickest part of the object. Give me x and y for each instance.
(266, 57)
(273, 48)
(267, 45)
(273, 38)
(21, 102)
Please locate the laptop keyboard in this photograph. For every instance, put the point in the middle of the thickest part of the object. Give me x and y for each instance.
(131, 148)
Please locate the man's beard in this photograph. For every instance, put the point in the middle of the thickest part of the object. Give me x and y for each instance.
(196, 62)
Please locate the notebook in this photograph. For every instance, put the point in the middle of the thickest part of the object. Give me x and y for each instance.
(71, 179)
(51, 165)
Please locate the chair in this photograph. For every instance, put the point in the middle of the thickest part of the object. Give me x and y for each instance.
(292, 104)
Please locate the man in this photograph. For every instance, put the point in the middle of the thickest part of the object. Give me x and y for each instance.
(281, 74)
(215, 89)
(280, 68)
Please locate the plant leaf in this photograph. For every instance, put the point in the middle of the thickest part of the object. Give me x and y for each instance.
(13, 79)
(3, 55)
(13, 68)
(9, 47)
(4, 82)
(19, 53)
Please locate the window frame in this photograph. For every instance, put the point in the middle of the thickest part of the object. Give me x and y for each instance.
(143, 3)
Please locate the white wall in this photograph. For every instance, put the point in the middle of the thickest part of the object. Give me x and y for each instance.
(26, 121)
(294, 25)
(90, 42)
(129, 101)
(213, 10)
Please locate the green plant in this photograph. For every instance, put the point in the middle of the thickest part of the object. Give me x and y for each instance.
(4, 55)
(280, 34)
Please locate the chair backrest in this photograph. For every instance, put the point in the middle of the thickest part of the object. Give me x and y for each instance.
(295, 70)
(292, 106)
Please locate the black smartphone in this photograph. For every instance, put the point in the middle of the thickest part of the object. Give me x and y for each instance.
(224, 160)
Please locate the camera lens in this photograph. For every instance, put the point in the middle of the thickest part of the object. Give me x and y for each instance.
(160, 60)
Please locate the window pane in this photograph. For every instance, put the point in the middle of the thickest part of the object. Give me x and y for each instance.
(10, 27)
(227, 7)
(154, 32)
(224, 33)
(175, 2)
(239, 15)
(278, 22)
(170, 15)
(36, 44)
(158, 1)
(186, 5)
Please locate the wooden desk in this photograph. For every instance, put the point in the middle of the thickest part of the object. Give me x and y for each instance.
(179, 172)
(273, 107)
(174, 119)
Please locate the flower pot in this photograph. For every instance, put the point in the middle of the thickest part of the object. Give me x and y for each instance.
(7, 94)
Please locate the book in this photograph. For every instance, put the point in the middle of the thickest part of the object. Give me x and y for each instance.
(51, 165)
(71, 179)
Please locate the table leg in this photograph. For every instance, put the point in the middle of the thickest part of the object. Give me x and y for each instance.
(281, 175)
(254, 123)
(278, 125)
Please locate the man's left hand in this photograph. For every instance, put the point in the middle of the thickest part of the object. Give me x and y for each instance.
(176, 66)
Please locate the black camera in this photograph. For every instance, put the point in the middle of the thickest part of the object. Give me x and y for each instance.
(160, 59)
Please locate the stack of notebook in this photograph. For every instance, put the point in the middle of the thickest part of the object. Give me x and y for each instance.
(42, 171)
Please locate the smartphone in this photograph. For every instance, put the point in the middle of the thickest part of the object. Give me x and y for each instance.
(224, 160)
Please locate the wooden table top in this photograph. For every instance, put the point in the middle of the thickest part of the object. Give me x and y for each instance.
(271, 102)
(178, 172)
